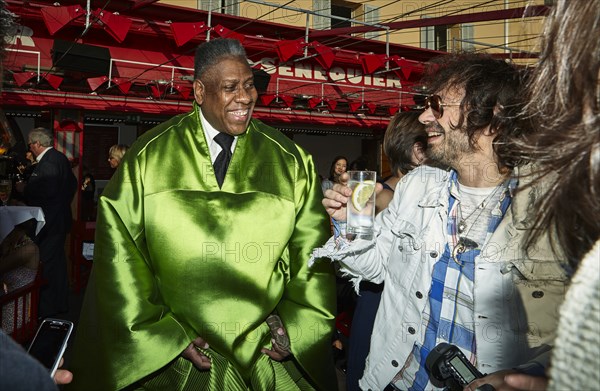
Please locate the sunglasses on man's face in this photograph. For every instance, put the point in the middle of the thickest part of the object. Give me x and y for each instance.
(434, 102)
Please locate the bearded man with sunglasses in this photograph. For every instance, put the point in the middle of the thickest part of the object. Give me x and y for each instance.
(449, 245)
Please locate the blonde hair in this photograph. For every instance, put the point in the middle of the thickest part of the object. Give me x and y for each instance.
(117, 151)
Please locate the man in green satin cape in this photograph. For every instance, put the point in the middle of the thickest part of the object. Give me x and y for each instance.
(186, 271)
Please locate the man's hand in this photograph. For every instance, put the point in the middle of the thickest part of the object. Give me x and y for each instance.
(520, 381)
(280, 342)
(62, 376)
(200, 361)
(276, 352)
(509, 380)
(336, 198)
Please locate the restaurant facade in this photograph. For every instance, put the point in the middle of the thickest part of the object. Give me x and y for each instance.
(103, 72)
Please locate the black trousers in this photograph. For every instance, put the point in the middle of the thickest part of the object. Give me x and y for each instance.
(360, 333)
(54, 295)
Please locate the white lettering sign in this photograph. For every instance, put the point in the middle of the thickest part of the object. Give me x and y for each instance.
(337, 74)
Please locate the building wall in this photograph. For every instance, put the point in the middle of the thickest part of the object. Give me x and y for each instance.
(500, 36)
(495, 36)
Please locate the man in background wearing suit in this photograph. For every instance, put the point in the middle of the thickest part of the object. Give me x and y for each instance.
(19, 370)
(51, 186)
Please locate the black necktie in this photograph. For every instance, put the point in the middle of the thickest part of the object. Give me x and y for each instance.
(220, 165)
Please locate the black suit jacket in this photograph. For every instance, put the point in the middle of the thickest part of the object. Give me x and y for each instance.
(52, 186)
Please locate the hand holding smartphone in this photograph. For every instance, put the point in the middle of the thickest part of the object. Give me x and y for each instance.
(50, 343)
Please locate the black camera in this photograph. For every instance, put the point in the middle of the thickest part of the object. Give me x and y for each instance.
(448, 367)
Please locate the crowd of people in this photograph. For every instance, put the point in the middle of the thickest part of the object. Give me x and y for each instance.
(489, 225)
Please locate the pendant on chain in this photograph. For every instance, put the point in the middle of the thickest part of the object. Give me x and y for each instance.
(462, 226)
(458, 249)
(463, 244)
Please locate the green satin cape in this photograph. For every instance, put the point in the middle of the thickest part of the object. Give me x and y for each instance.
(176, 257)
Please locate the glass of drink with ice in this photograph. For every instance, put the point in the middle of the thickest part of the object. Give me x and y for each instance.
(361, 205)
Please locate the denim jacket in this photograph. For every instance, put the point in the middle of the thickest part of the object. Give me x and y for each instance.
(517, 294)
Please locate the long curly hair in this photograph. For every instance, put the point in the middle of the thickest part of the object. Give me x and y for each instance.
(493, 97)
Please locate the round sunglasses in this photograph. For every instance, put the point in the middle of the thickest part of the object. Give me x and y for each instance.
(434, 102)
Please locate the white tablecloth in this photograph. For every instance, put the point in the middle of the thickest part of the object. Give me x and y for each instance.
(10, 216)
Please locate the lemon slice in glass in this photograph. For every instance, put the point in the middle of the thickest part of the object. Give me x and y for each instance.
(361, 194)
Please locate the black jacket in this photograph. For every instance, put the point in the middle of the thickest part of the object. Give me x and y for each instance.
(52, 186)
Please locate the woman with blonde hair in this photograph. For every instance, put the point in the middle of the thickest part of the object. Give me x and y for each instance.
(116, 153)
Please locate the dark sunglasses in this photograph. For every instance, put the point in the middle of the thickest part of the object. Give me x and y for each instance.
(434, 102)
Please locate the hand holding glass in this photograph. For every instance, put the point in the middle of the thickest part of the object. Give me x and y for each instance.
(360, 210)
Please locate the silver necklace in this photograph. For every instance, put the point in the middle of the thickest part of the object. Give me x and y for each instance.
(465, 243)
(463, 223)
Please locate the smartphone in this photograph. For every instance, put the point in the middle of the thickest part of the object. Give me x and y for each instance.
(50, 342)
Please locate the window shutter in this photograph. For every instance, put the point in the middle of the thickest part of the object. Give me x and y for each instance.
(427, 38)
(207, 5)
(322, 7)
(466, 32)
(371, 15)
(232, 7)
